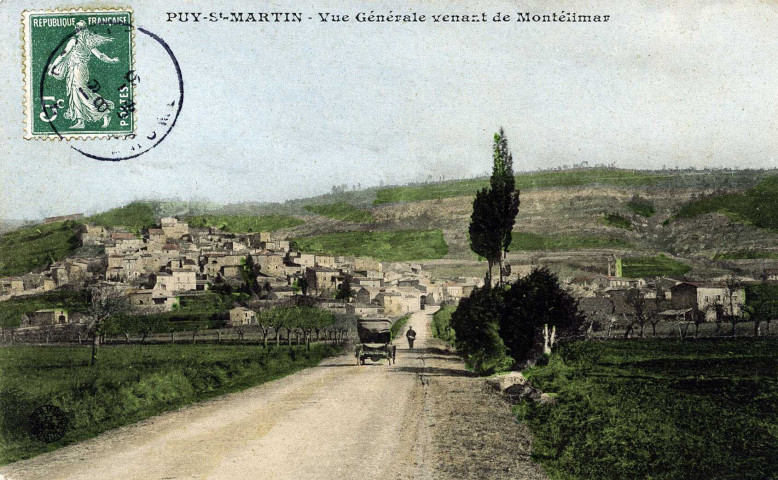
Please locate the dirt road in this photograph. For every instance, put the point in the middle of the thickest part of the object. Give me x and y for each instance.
(334, 421)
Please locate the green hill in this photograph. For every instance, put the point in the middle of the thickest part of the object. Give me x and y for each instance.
(30, 248)
(757, 205)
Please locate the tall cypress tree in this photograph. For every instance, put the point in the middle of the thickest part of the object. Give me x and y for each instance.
(495, 209)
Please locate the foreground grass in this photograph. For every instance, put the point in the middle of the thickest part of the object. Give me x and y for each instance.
(394, 246)
(30, 248)
(657, 266)
(533, 241)
(659, 409)
(245, 223)
(341, 211)
(129, 383)
(568, 178)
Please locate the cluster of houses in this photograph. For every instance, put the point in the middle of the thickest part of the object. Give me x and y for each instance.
(159, 265)
(608, 298)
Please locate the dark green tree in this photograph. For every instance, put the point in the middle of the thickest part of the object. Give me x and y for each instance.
(532, 302)
(344, 290)
(476, 322)
(248, 272)
(495, 209)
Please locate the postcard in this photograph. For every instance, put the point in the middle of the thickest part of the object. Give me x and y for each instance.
(389, 240)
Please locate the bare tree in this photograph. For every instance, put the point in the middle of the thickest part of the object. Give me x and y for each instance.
(734, 301)
(105, 301)
(637, 300)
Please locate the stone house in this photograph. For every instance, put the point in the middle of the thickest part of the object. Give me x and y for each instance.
(11, 285)
(172, 228)
(704, 296)
(363, 310)
(46, 317)
(242, 316)
(366, 295)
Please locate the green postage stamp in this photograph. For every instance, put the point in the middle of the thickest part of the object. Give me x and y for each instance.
(78, 73)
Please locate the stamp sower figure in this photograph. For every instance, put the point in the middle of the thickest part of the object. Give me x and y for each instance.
(411, 336)
(73, 65)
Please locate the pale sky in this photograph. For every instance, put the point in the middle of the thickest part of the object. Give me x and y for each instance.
(280, 110)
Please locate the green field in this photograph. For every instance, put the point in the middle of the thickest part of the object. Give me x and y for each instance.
(30, 248)
(616, 220)
(394, 246)
(134, 216)
(129, 383)
(567, 178)
(341, 211)
(755, 206)
(657, 266)
(658, 409)
(533, 241)
(245, 223)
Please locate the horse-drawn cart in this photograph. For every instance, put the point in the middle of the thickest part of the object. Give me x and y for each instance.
(375, 339)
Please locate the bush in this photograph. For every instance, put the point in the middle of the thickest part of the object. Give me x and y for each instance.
(641, 206)
(476, 323)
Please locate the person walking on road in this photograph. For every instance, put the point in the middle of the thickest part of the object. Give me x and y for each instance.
(411, 336)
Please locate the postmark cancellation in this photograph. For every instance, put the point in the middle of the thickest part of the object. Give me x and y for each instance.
(78, 73)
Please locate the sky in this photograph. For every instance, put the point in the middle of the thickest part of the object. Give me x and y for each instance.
(278, 111)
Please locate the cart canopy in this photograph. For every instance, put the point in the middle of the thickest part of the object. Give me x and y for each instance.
(374, 330)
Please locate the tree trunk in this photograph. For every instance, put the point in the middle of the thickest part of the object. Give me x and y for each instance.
(194, 336)
(218, 336)
(756, 328)
(172, 337)
(653, 330)
(127, 337)
(696, 331)
(95, 344)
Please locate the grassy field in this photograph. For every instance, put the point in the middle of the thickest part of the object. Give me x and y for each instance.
(533, 241)
(129, 383)
(756, 206)
(34, 247)
(567, 178)
(659, 409)
(616, 220)
(394, 246)
(245, 223)
(441, 324)
(657, 266)
(341, 211)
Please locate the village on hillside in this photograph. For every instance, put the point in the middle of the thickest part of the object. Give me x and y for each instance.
(159, 266)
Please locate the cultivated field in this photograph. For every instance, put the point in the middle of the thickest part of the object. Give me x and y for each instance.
(660, 409)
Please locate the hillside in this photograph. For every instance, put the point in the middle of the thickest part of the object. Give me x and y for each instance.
(714, 222)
